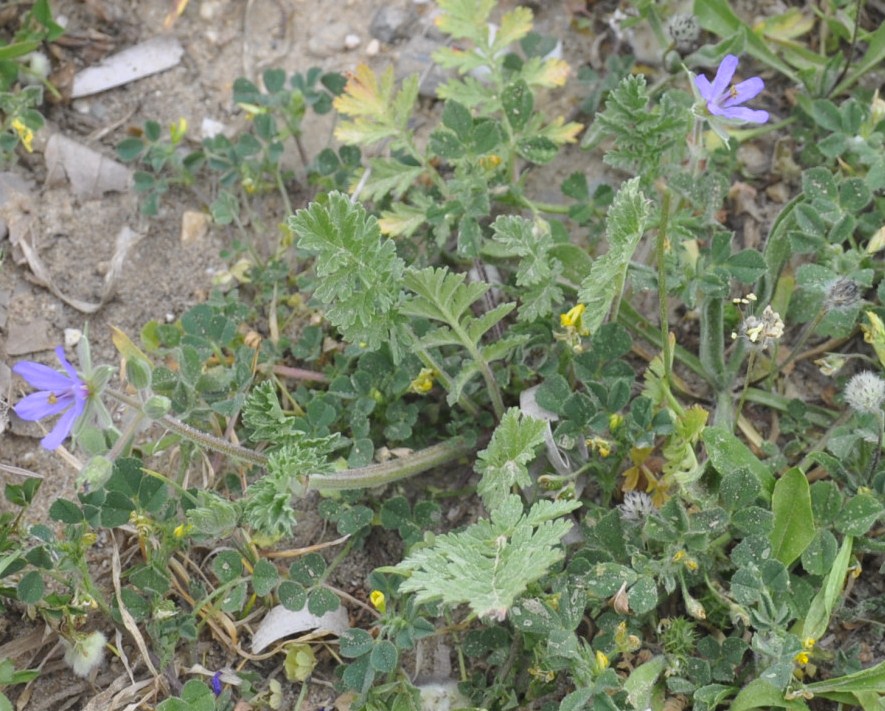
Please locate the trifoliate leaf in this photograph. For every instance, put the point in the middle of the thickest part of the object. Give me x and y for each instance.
(491, 563)
(627, 220)
(359, 271)
(503, 463)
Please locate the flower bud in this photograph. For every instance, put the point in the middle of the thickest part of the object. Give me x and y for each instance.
(138, 373)
(157, 406)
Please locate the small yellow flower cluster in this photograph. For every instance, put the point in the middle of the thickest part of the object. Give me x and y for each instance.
(600, 445)
(25, 134)
(574, 319)
(602, 662)
(690, 563)
(423, 383)
(803, 657)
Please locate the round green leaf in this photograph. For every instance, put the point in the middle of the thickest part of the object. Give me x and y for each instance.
(264, 577)
(292, 595)
(30, 588)
(227, 566)
(355, 643)
(384, 657)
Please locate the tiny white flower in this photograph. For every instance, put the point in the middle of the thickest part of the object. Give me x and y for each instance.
(636, 507)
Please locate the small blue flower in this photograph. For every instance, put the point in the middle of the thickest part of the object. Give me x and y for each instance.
(58, 393)
(724, 99)
(215, 683)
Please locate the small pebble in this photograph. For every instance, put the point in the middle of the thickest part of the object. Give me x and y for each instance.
(373, 48)
(352, 41)
(72, 337)
(170, 317)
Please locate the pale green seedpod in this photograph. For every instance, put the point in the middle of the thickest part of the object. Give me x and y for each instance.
(138, 373)
(157, 406)
(96, 472)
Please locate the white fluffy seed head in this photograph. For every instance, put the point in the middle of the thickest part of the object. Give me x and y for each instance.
(865, 392)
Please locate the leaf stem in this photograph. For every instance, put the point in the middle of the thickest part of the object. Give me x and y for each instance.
(663, 301)
(395, 470)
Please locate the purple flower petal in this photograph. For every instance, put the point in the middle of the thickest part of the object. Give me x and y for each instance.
(215, 683)
(724, 75)
(743, 92)
(41, 376)
(61, 430)
(742, 113)
(37, 405)
(704, 87)
(72, 374)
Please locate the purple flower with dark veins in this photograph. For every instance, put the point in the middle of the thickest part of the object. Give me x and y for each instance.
(724, 98)
(58, 393)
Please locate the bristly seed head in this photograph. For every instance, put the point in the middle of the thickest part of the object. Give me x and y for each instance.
(841, 295)
(865, 392)
(685, 31)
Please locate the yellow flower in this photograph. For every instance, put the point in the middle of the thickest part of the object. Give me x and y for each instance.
(490, 162)
(25, 134)
(573, 319)
(808, 643)
(691, 564)
(182, 529)
(423, 383)
(615, 421)
(177, 130)
(378, 600)
(638, 455)
(601, 660)
(658, 488)
(598, 444)
(801, 659)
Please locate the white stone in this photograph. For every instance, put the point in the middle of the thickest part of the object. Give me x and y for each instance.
(72, 337)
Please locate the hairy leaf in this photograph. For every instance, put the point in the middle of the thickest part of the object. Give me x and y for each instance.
(503, 463)
(538, 271)
(378, 111)
(491, 563)
(627, 220)
(359, 271)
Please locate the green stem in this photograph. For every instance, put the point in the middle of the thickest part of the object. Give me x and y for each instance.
(360, 478)
(395, 470)
(428, 361)
(634, 321)
(663, 300)
(487, 374)
(712, 346)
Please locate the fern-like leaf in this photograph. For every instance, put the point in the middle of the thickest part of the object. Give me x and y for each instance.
(627, 219)
(358, 269)
(503, 463)
(376, 110)
(538, 271)
(491, 563)
(643, 135)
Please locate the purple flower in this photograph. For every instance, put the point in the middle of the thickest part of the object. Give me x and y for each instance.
(724, 98)
(58, 393)
(215, 683)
